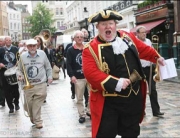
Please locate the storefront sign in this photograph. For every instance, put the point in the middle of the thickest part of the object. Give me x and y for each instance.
(121, 5)
(152, 15)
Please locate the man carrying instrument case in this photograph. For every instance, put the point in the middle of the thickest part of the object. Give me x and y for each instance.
(8, 74)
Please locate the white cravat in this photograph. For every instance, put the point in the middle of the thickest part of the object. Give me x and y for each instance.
(119, 46)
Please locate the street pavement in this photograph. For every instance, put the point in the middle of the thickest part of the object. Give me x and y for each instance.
(60, 116)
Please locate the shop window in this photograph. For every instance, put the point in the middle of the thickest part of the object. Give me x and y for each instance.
(57, 11)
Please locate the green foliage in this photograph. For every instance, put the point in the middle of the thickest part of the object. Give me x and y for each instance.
(41, 19)
(147, 3)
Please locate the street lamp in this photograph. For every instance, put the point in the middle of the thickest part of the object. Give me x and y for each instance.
(86, 15)
(168, 23)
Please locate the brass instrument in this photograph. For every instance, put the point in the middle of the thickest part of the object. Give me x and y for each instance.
(27, 84)
(45, 35)
(155, 42)
(156, 77)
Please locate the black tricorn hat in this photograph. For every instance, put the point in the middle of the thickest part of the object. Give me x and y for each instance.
(105, 15)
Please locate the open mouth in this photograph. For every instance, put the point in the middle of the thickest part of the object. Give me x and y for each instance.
(108, 32)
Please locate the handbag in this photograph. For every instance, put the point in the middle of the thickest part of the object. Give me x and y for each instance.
(55, 72)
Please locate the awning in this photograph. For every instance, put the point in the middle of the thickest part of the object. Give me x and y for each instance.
(149, 25)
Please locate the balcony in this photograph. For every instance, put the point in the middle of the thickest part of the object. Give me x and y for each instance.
(149, 4)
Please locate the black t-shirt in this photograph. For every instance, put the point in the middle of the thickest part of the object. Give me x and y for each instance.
(8, 56)
(74, 63)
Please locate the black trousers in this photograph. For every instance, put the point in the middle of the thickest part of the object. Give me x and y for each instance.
(2, 97)
(11, 92)
(121, 116)
(153, 94)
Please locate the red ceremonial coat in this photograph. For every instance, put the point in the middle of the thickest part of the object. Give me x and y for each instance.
(96, 75)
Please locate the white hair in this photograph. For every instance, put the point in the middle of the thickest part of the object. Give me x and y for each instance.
(2, 38)
(78, 32)
(7, 37)
(139, 27)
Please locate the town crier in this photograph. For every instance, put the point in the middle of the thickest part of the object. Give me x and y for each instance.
(111, 65)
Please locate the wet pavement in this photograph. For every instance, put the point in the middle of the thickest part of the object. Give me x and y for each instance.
(60, 116)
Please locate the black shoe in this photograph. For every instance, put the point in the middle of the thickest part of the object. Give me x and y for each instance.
(88, 114)
(82, 119)
(11, 111)
(73, 96)
(17, 107)
(159, 114)
(3, 104)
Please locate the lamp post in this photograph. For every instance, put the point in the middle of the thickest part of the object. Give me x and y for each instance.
(86, 14)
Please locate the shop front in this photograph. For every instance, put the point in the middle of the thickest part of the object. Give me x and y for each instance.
(159, 22)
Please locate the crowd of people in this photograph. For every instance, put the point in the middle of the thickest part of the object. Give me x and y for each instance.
(100, 72)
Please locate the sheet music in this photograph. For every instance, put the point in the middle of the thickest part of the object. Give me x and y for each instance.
(169, 70)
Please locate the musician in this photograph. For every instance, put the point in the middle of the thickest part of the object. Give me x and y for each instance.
(59, 56)
(38, 70)
(117, 104)
(149, 71)
(40, 44)
(2, 96)
(7, 61)
(49, 54)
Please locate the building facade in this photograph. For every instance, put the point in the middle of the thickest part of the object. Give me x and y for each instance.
(4, 28)
(78, 13)
(58, 10)
(25, 24)
(15, 24)
(158, 18)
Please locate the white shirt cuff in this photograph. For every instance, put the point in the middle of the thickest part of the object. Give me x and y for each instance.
(119, 85)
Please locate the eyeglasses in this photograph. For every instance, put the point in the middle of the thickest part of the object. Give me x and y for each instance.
(142, 32)
(32, 46)
(79, 37)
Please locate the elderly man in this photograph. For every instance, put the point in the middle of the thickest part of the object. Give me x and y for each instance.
(149, 71)
(2, 42)
(74, 70)
(8, 61)
(116, 100)
(38, 70)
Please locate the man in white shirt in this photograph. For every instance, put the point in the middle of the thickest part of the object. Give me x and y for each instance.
(149, 72)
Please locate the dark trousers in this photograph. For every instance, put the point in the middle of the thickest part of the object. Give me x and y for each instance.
(121, 116)
(86, 94)
(2, 97)
(11, 92)
(153, 94)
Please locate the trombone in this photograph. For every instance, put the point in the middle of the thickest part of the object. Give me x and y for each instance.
(27, 83)
(155, 41)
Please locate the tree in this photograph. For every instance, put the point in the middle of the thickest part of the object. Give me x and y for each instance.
(41, 19)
